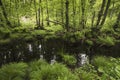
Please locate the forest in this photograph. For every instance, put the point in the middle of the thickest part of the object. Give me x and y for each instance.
(59, 39)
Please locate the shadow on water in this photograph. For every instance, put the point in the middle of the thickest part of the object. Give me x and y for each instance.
(48, 50)
(27, 51)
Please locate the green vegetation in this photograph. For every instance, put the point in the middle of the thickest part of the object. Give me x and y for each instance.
(69, 60)
(13, 71)
(73, 20)
(108, 68)
(102, 68)
(59, 27)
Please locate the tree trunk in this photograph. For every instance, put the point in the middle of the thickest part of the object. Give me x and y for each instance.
(36, 12)
(17, 14)
(116, 25)
(10, 8)
(106, 11)
(62, 12)
(79, 12)
(42, 16)
(39, 16)
(67, 15)
(47, 12)
(83, 13)
(100, 12)
(56, 15)
(74, 13)
(93, 18)
(5, 14)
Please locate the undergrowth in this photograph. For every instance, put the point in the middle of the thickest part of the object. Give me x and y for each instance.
(102, 68)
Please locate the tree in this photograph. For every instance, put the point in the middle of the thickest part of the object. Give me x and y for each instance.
(47, 12)
(62, 12)
(100, 12)
(17, 13)
(83, 13)
(4, 14)
(67, 15)
(105, 13)
(36, 12)
(39, 15)
(74, 12)
(117, 23)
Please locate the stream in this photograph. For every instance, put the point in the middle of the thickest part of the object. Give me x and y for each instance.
(49, 50)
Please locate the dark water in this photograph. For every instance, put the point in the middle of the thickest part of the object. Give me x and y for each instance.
(26, 51)
(29, 50)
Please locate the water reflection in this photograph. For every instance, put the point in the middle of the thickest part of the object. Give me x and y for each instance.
(48, 50)
(30, 47)
(27, 51)
(53, 60)
(41, 57)
(39, 46)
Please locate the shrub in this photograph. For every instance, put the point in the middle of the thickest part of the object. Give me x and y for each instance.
(69, 59)
(13, 71)
(50, 72)
(87, 72)
(103, 68)
(109, 68)
(36, 65)
(100, 61)
(107, 40)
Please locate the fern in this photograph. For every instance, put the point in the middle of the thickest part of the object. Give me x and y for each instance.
(43, 71)
(109, 67)
(69, 59)
(13, 71)
(107, 40)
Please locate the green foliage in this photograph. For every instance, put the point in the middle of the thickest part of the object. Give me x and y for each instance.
(40, 70)
(83, 15)
(24, 16)
(107, 40)
(20, 29)
(69, 59)
(15, 36)
(4, 32)
(73, 36)
(39, 33)
(54, 28)
(35, 65)
(28, 37)
(100, 61)
(108, 68)
(2, 19)
(5, 41)
(102, 68)
(4, 35)
(79, 35)
(89, 42)
(87, 72)
(13, 71)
